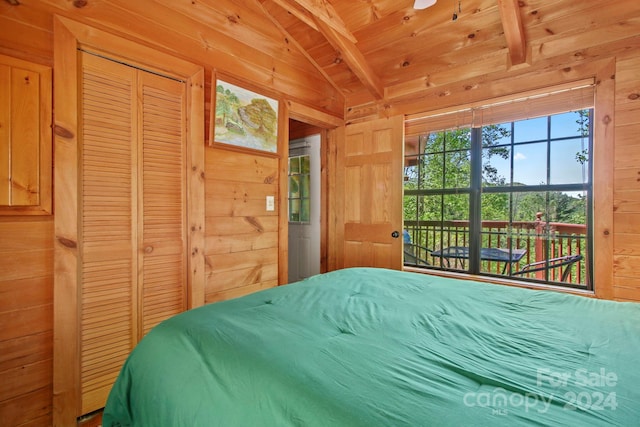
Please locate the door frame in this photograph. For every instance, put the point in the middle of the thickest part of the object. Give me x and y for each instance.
(328, 126)
(69, 36)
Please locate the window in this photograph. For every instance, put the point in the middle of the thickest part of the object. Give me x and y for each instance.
(507, 199)
(299, 194)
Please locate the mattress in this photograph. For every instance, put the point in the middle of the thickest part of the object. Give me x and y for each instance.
(377, 347)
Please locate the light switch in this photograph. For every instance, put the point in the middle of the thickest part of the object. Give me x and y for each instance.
(271, 203)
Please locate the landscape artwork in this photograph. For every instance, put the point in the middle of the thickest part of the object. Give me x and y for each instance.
(246, 119)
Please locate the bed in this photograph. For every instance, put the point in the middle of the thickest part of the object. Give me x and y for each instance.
(376, 347)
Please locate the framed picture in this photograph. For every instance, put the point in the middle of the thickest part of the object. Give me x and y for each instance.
(244, 118)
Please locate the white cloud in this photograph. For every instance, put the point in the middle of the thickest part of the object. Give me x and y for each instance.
(519, 156)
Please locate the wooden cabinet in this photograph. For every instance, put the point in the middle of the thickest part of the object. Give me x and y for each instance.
(25, 137)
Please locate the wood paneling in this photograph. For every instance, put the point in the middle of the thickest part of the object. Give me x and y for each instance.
(26, 289)
(229, 36)
(626, 286)
(426, 62)
(241, 235)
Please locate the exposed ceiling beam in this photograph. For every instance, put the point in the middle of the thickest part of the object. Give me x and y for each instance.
(294, 42)
(324, 12)
(354, 59)
(300, 14)
(513, 30)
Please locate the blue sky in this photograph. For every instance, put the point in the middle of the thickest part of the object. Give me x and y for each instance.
(530, 159)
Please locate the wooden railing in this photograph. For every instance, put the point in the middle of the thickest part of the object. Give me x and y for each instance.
(542, 241)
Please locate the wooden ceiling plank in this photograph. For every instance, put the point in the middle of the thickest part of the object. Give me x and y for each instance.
(513, 30)
(301, 15)
(298, 46)
(323, 10)
(354, 59)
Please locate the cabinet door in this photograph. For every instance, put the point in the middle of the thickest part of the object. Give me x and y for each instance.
(25, 137)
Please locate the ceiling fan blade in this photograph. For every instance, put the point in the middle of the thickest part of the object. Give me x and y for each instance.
(423, 4)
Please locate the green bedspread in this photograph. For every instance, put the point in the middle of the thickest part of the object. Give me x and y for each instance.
(373, 347)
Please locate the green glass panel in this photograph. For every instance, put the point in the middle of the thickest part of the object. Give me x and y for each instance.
(304, 185)
(294, 210)
(294, 187)
(294, 165)
(305, 210)
(304, 165)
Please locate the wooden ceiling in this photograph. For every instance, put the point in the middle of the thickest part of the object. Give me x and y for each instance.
(358, 56)
(365, 46)
(377, 51)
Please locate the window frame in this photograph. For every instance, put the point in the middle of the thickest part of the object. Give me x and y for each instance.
(477, 188)
(602, 162)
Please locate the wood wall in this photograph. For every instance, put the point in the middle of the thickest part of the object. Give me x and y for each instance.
(240, 235)
(242, 250)
(626, 203)
(26, 320)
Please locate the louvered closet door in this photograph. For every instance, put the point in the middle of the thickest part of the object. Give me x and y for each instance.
(162, 214)
(132, 215)
(107, 224)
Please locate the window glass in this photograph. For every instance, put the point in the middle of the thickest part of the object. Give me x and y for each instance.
(533, 221)
(530, 130)
(572, 124)
(299, 189)
(530, 164)
(569, 161)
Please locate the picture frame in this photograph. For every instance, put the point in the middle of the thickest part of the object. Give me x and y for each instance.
(243, 118)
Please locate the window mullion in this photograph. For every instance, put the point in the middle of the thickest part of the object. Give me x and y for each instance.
(475, 202)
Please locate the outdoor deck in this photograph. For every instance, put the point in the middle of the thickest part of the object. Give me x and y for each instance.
(541, 241)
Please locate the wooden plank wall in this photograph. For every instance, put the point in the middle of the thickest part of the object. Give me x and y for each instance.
(26, 319)
(26, 266)
(239, 232)
(626, 282)
(241, 237)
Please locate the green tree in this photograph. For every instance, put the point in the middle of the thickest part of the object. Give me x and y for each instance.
(445, 162)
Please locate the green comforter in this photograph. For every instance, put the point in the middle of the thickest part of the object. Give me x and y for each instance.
(373, 347)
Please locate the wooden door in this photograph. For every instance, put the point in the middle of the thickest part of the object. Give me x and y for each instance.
(132, 220)
(162, 280)
(129, 205)
(369, 181)
(107, 224)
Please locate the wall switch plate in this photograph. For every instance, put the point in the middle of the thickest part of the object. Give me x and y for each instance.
(271, 203)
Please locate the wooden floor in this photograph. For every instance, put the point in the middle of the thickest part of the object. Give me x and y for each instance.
(92, 420)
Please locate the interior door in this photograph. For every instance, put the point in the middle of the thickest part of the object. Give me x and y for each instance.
(304, 230)
(369, 179)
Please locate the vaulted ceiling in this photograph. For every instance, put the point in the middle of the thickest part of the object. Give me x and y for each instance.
(365, 46)
(370, 56)
(381, 50)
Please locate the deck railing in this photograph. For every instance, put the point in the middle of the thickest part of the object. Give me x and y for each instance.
(542, 241)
